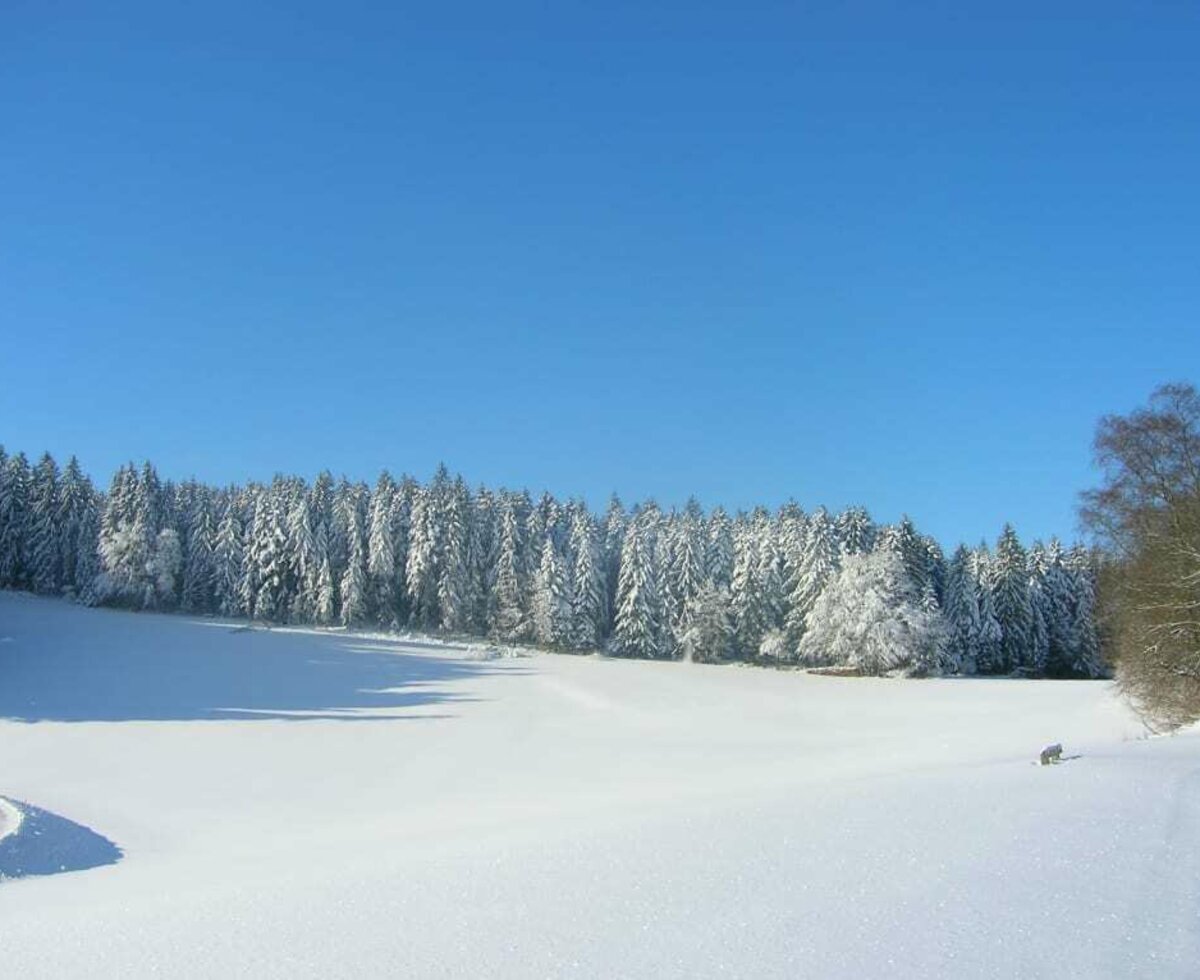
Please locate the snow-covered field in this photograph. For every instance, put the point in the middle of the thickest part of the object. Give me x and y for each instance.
(304, 804)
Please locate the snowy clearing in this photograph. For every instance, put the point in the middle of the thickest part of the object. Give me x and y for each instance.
(294, 803)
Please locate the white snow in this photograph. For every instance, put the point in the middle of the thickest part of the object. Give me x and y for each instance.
(295, 803)
(10, 819)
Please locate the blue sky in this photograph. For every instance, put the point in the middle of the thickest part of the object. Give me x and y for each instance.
(896, 254)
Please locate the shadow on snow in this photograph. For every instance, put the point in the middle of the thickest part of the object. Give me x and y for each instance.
(48, 844)
(61, 662)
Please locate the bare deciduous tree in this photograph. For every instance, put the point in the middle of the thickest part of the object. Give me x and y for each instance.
(1147, 517)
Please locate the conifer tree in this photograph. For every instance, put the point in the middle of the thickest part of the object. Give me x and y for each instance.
(1009, 582)
(820, 560)
(638, 628)
(552, 604)
(45, 544)
(588, 613)
(14, 521)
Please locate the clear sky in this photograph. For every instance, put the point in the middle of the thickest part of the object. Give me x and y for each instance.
(895, 254)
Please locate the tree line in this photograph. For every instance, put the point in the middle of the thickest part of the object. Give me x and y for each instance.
(788, 587)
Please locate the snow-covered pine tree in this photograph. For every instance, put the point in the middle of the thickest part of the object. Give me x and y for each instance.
(421, 573)
(819, 560)
(267, 557)
(508, 620)
(482, 550)
(86, 575)
(14, 521)
(1009, 582)
(869, 616)
(962, 612)
(638, 627)
(45, 544)
(455, 601)
(1057, 598)
(615, 521)
(199, 570)
(229, 560)
(354, 578)
(588, 614)
(990, 657)
(381, 552)
(855, 531)
(551, 599)
(1081, 566)
(303, 561)
(77, 506)
(685, 573)
(745, 596)
(719, 560)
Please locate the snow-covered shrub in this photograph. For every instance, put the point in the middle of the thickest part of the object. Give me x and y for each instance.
(870, 617)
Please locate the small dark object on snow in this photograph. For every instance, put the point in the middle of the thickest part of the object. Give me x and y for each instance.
(1051, 754)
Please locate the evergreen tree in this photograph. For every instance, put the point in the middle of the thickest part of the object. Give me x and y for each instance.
(962, 612)
(455, 601)
(14, 521)
(638, 628)
(508, 620)
(588, 611)
(1009, 582)
(552, 603)
(820, 560)
(381, 552)
(45, 544)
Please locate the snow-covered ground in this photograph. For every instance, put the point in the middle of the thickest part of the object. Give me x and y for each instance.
(305, 804)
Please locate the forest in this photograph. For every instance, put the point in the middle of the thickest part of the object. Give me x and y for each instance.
(811, 589)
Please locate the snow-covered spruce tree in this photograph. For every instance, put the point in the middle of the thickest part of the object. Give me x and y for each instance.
(819, 561)
(482, 550)
(962, 612)
(709, 634)
(614, 527)
(166, 567)
(455, 601)
(551, 600)
(855, 531)
(229, 561)
(77, 505)
(1057, 599)
(1009, 582)
(14, 521)
(869, 617)
(381, 553)
(508, 620)
(719, 561)
(354, 579)
(588, 613)
(303, 562)
(86, 576)
(267, 557)
(401, 519)
(421, 573)
(1081, 567)
(638, 628)
(127, 538)
(45, 545)
(989, 658)
(685, 572)
(745, 597)
(199, 569)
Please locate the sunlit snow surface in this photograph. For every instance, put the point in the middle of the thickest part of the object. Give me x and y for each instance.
(305, 804)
